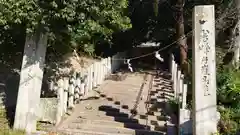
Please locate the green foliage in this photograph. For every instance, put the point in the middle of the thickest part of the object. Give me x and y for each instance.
(228, 84)
(11, 132)
(229, 123)
(4, 125)
(228, 94)
(174, 104)
(80, 23)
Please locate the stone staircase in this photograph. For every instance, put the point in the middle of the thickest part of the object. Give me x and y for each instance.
(113, 111)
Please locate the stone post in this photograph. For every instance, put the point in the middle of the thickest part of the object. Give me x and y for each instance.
(60, 97)
(178, 83)
(77, 91)
(171, 62)
(204, 71)
(109, 65)
(91, 78)
(175, 80)
(184, 96)
(98, 72)
(102, 70)
(71, 93)
(66, 85)
(30, 82)
(105, 68)
(95, 75)
(181, 81)
(88, 79)
(113, 63)
(82, 87)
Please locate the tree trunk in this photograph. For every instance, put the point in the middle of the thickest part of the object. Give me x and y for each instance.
(182, 40)
(236, 37)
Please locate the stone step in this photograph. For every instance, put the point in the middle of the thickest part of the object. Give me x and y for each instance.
(101, 128)
(109, 124)
(160, 93)
(120, 118)
(84, 132)
(153, 122)
(112, 109)
(122, 109)
(102, 122)
(127, 123)
(112, 130)
(120, 98)
(114, 116)
(115, 111)
(37, 133)
(109, 118)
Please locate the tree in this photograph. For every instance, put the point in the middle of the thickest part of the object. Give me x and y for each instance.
(182, 40)
(80, 23)
(236, 35)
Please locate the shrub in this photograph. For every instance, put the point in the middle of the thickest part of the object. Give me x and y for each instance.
(229, 122)
(228, 95)
(80, 23)
(228, 88)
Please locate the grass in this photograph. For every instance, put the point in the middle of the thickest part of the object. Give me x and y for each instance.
(4, 125)
(3, 119)
(11, 132)
(6, 130)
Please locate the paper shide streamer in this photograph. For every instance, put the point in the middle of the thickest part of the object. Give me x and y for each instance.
(129, 65)
(158, 56)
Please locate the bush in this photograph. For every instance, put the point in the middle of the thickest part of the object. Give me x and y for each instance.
(228, 95)
(80, 23)
(228, 88)
(229, 122)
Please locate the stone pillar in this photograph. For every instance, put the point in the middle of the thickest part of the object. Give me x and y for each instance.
(172, 62)
(113, 63)
(91, 78)
(88, 79)
(30, 82)
(178, 83)
(184, 96)
(95, 75)
(175, 79)
(105, 68)
(109, 64)
(98, 73)
(60, 97)
(66, 85)
(71, 93)
(204, 71)
(102, 70)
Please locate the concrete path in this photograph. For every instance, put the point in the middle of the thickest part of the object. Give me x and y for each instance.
(133, 106)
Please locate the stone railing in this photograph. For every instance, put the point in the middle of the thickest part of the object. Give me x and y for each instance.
(77, 86)
(180, 94)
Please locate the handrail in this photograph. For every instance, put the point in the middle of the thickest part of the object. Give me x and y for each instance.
(70, 90)
(179, 89)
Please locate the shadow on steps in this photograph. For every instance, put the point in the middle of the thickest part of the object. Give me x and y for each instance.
(122, 117)
(132, 123)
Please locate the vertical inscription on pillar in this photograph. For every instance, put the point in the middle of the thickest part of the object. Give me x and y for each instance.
(204, 48)
(204, 71)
